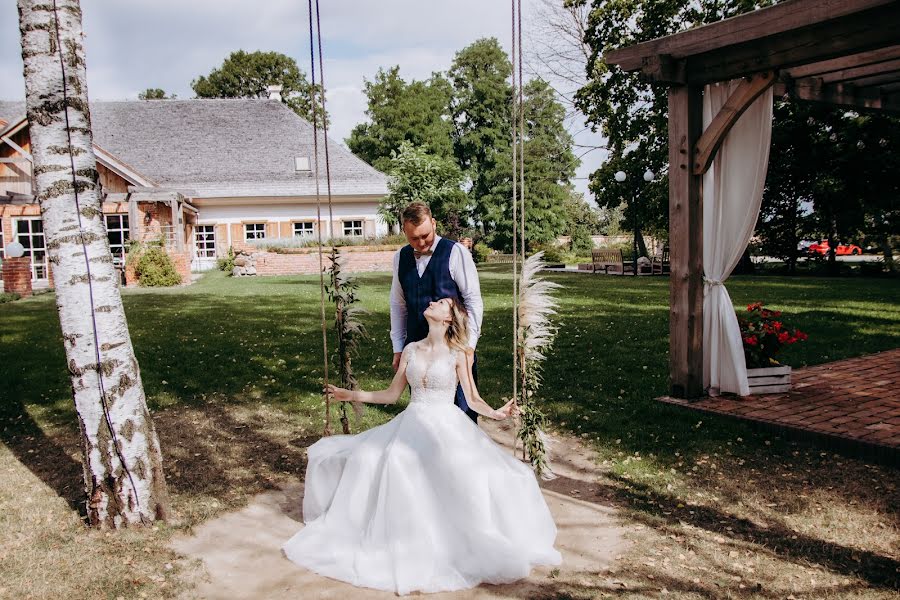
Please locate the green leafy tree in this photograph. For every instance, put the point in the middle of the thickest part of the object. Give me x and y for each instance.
(784, 218)
(549, 167)
(434, 180)
(155, 94)
(417, 112)
(249, 74)
(631, 113)
(480, 112)
(582, 221)
(872, 141)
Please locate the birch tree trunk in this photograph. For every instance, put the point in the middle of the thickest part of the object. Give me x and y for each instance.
(122, 461)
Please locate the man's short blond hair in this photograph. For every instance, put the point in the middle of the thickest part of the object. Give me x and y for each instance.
(416, 213)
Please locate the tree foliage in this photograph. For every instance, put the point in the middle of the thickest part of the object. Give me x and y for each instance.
(249, 74)
(420, 176)
(631, 113)
(155, 94)
(416, 112)
(481, 111)
(449, 134)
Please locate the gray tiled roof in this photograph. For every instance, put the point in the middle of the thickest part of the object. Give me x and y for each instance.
(233, 147)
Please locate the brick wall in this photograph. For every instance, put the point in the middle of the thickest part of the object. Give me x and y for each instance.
(17, 276)
(361, 259)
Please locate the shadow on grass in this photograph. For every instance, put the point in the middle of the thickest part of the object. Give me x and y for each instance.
(645, 506)
(47, 459)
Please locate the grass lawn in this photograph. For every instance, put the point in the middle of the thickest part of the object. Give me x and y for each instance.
(231, 368)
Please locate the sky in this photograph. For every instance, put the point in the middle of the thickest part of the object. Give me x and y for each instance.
(132, 45)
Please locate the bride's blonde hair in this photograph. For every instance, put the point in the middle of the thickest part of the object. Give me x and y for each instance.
(458, 329)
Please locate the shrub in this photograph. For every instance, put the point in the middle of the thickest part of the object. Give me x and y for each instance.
(8, 297)
(480, 252)
(226, 263)
(152, 265)
(553, 254)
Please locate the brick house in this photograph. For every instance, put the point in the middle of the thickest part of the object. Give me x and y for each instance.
(203, 175)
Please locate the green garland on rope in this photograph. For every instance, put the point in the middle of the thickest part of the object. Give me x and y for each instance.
(342, 291)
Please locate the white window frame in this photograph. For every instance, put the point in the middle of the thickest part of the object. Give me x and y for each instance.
(37, 268)
(2, 251)
(118, 251)
(204, 235)
(252, 234)
(349, 227)
(306, 229)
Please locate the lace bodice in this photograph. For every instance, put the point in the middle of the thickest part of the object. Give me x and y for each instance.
(432, 382)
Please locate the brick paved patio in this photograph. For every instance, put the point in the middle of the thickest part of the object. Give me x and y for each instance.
(851, 405)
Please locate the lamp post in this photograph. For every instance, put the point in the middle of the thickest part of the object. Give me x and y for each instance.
(620, 178)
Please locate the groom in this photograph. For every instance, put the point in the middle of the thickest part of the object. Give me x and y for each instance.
(428, 269)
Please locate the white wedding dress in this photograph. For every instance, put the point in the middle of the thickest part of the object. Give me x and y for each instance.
(426, 502)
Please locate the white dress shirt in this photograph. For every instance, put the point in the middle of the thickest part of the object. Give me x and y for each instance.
(463, 273)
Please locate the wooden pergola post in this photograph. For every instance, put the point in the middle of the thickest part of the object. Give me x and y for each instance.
(685, 243)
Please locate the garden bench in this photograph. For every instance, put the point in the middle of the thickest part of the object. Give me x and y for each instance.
(609, 261)
(659, 264)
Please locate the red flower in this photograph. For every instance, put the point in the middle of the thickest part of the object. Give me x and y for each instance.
(751, 340)
(783, 337)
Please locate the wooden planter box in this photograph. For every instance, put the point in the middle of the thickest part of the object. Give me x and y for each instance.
(769, 380)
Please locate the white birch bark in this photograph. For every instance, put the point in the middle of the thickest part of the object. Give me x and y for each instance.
(123, 473)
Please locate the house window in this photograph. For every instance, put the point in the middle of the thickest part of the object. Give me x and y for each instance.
(118, 234)
(205, 240)
(304, 229)
(353, 228)
(30, 233)
(254, 231)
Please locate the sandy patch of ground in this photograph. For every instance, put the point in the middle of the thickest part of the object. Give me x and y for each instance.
(238, 554)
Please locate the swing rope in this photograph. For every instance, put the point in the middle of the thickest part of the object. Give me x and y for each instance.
(522, 365)
(515, 236)
(312, 95)
(518, 201)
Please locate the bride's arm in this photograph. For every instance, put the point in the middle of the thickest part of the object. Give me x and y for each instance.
(473, 398)
(388, 396)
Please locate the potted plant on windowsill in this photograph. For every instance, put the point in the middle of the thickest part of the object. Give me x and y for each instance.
(764, 335)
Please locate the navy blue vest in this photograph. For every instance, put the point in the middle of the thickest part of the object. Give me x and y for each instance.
(434, 284)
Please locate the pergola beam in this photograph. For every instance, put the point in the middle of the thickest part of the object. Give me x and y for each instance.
(858, 72)
(784, 18)
(813, 89)
(847, 35)
(861, 60)
(738, 102)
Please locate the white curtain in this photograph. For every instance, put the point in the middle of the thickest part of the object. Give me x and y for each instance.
(732, 193)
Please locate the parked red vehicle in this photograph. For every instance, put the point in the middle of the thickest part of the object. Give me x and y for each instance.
(841, 250)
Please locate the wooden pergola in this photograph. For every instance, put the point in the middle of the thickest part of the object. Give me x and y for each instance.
(840, 52)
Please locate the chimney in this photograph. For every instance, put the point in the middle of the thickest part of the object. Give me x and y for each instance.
(274, 92)
(3, 123)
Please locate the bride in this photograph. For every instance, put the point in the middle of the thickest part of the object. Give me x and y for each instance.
(426, 502)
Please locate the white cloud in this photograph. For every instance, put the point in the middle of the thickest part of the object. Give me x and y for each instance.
(138, 44)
